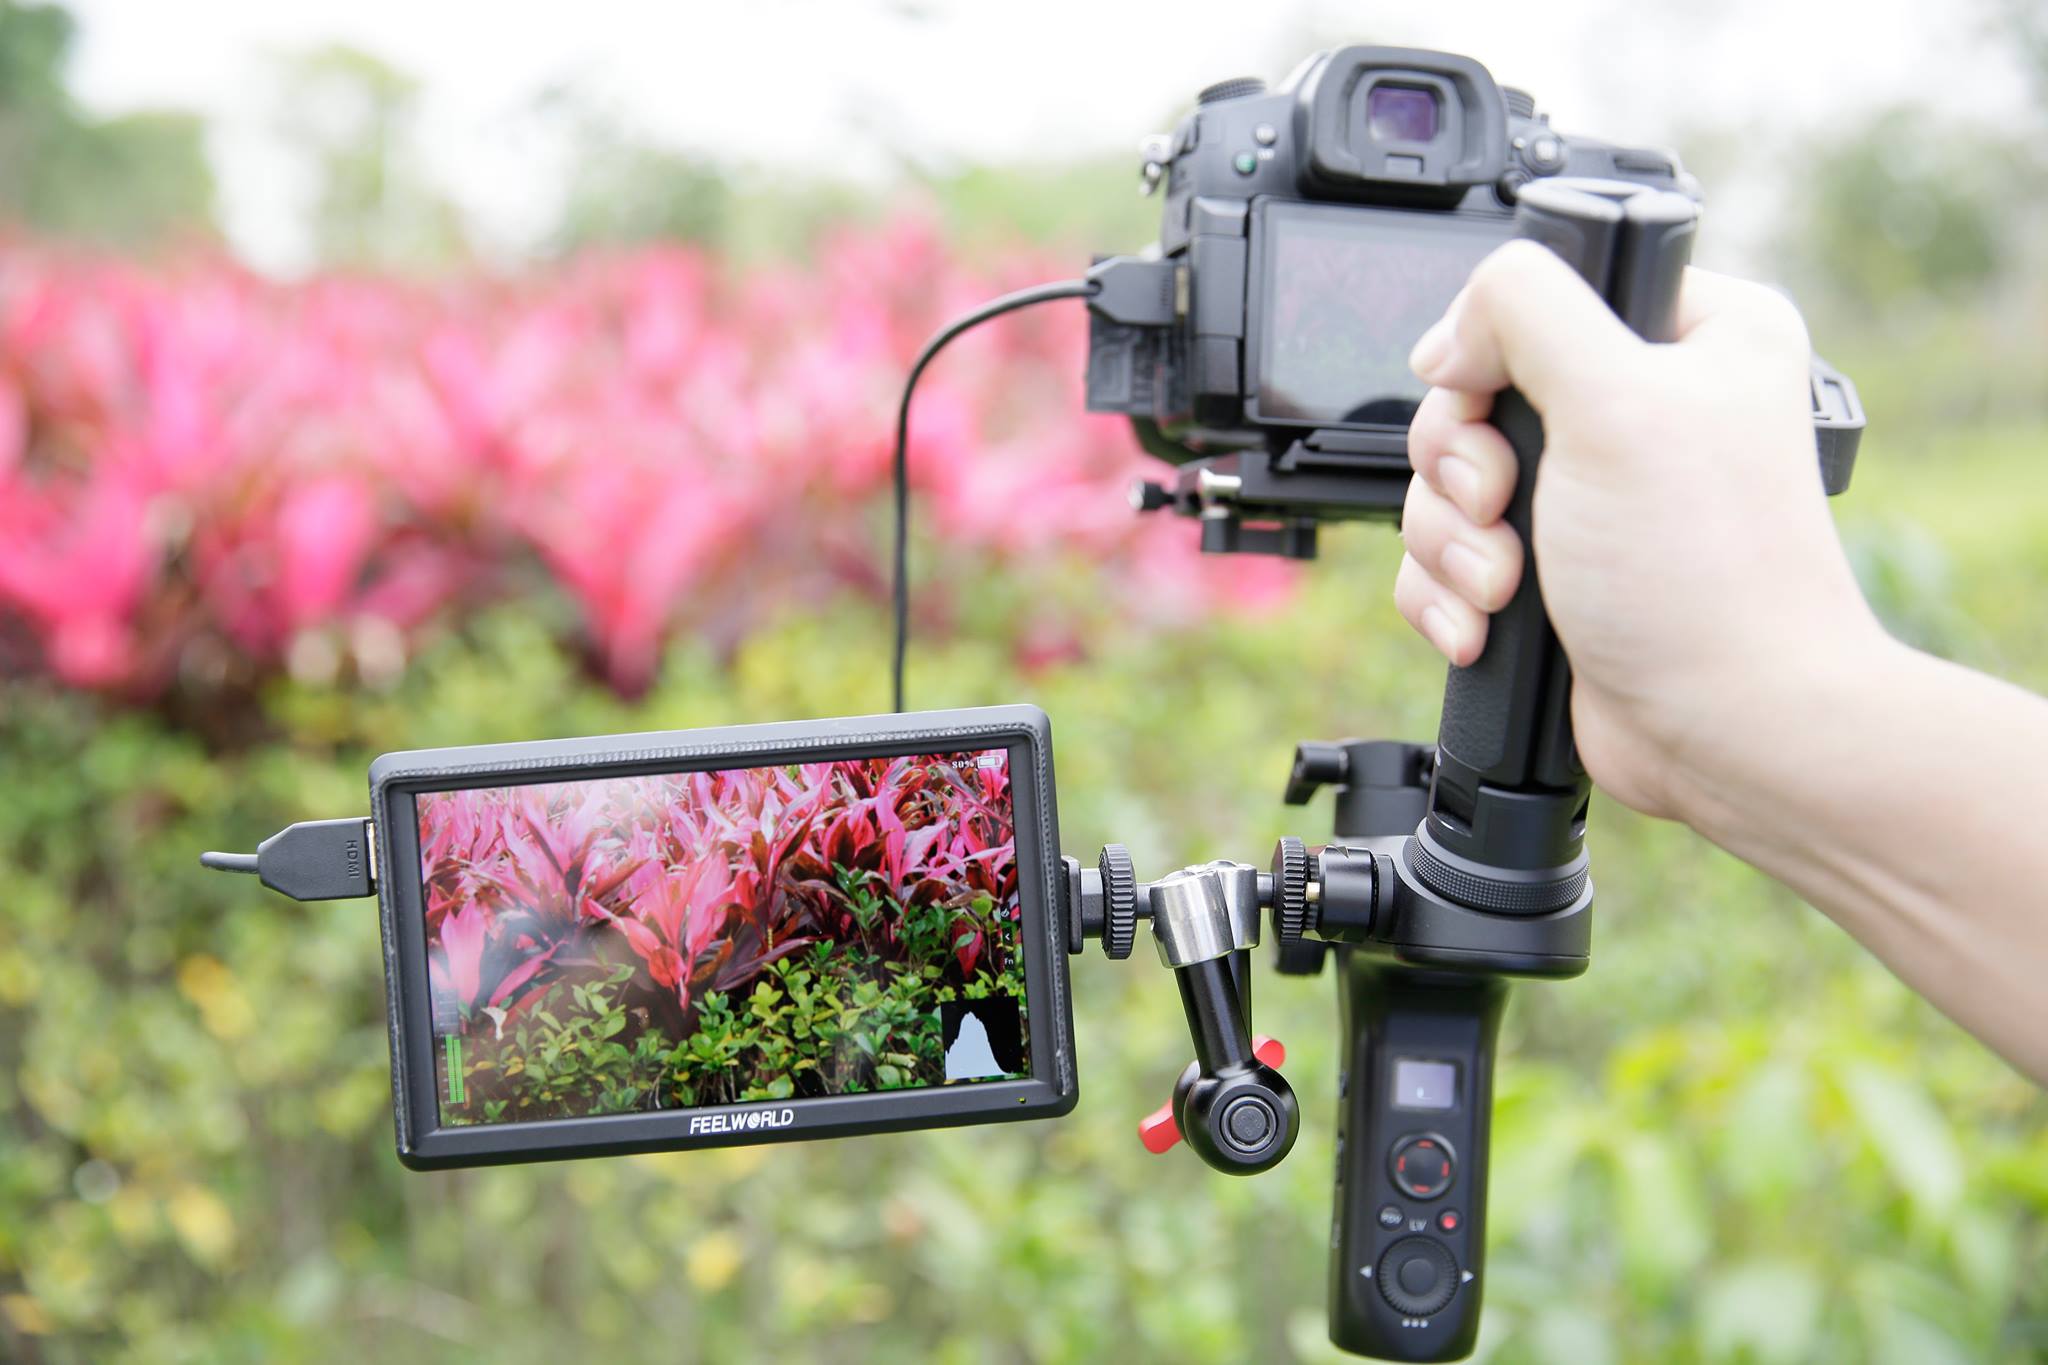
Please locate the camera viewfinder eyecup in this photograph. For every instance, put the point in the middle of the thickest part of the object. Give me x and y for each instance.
(1455, 138)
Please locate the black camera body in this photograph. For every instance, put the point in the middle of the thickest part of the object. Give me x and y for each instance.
(1309, 235)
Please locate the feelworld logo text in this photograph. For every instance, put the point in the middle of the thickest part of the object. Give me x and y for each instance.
(744, 1122)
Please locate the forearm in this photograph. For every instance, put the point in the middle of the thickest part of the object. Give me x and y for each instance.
(1904, 796)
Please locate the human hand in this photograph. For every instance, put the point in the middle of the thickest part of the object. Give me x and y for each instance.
(1687, 557)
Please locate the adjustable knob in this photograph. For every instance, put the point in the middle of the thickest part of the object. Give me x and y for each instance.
(1119, 901)
(1235, 1110)
(1147, 496)
(1235, 88)
(1291, 917)
(1417, 1276)
(1159, 1130)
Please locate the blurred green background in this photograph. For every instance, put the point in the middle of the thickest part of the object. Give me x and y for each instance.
(1737, 1139)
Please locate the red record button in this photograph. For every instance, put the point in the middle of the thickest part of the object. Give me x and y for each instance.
(1449, 1220)
(1422, 1167)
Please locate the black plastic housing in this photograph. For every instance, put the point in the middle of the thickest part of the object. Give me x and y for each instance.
(1227, 1076)
(1240, 157)
(395, 779)
(1184, 345)
(1391, 1014)
(1392, 1011)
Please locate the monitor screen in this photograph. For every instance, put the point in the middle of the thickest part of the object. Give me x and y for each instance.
(634, 943)
(1346, 292)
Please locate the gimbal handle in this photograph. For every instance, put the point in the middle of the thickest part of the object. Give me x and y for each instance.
(1509, 792)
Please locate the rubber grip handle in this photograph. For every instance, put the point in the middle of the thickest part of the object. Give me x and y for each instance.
(1506, 726)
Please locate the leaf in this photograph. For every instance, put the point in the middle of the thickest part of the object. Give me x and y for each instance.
(1765, 1150)
(1572, 1336)
(1662, 1209)
(1764, 1311)
(713, 1260)
(1983, 1243)
(203, 1223)
(1909, 1135)
(1902, 1338)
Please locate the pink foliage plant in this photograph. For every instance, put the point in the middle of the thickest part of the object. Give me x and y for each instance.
(699, 881)
(200, 468)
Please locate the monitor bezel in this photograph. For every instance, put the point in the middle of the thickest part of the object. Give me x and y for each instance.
(397, 779)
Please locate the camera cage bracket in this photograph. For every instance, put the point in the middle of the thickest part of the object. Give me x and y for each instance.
(1261, 501)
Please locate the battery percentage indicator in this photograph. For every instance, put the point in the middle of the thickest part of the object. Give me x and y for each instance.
(457, 1094)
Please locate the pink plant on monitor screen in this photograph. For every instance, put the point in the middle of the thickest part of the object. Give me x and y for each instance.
(699, 881)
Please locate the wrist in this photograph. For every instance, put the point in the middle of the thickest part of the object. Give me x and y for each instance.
(1780, 728)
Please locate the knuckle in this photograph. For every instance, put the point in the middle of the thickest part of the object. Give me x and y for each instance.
(1414, 506)
(1410, 588)
(1506, 574)
(1780, 320)
(1425, 521)
(1491, 457)
(1771, 318)
(1427, 432)
(1498, 269)
(1515, 256)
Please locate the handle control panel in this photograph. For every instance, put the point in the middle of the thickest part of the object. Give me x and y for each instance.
(1416, 1100)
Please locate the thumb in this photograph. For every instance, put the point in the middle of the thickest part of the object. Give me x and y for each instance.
(1524, 318)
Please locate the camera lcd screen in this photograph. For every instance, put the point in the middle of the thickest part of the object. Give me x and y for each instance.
(1424, 1085)
(643, 942)
(1345, 294)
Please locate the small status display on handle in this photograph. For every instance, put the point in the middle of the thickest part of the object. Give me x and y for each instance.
(1424, 1085)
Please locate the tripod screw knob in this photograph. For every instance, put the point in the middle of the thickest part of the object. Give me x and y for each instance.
(1147, 496)
(1119, 901)
(1290, 891)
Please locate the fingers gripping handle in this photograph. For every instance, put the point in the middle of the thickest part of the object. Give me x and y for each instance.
(1509, 790)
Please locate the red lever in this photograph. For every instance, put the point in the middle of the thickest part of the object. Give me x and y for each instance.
(1159, 1132)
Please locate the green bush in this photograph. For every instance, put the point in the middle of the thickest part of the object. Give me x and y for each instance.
(1737, 1139)
(839, 1011)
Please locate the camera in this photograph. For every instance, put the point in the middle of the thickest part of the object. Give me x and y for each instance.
(1308, 236)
